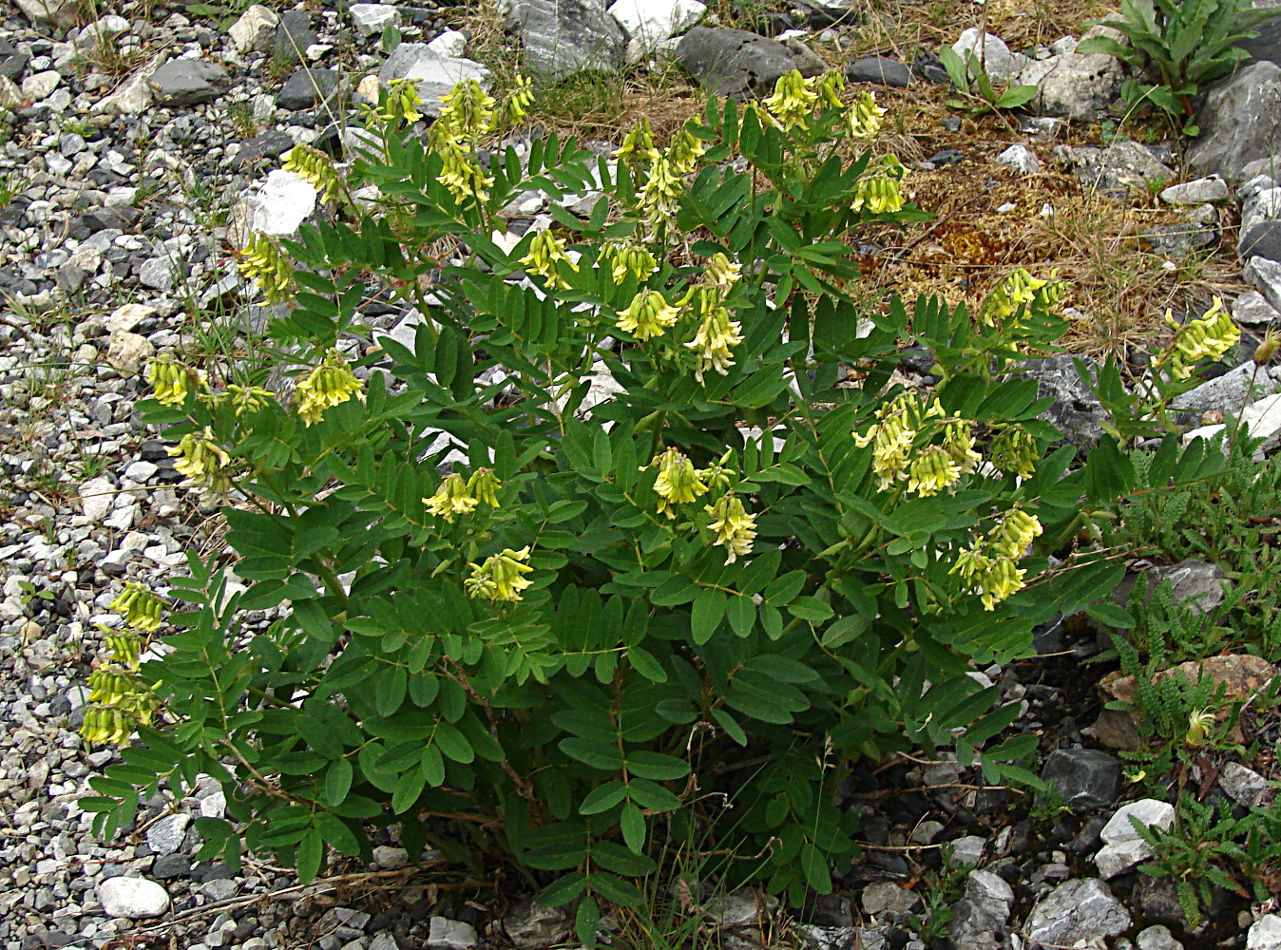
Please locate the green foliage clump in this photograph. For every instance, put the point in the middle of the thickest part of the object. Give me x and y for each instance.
(1182, 47)
(639, 501)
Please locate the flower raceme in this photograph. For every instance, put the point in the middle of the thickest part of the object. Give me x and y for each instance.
(139, 607)
(501, 577)
(203, 461)
(990, 564)
(678, 481)
(734, 528)
(894, 432)
(1208, 337)
(793, 100)
(713, 340)
(263, 262)
(648, 315)
(879, 188)
(1017, 291)
(1013, 451)
(458, 496)
(172, 381)
(316, 168)
(325, 386)
(546, 253)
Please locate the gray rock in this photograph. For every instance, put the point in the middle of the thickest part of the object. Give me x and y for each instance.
(383, 941)
(650, 24)
(562, 37)
(997, 60)
(1265, 276)
(158, 273)
(1228, 393)
(888, 899)
(991, 893)
(1148, 812)
(968, 850)
(1264, 934)
(293, 36)
(372, 18)
(1244, 786)
(132, 898)
(1114, 859)
(739, 909)
(1261, 239)
(1076, 910)
(307, 88)
(170, 866)
(1196, 192)
(1253, 310)
(126, 352)
(255, 29)
(165, 836)
(188, 82)
(269, 143)
(878, 69)
(1157, 937)
(434, 74)
(1197, 584)
(1179, 242)
(1074, 85)
(1076, 411)
(1116, 169)
(1240, 122)
(532, 925)
(276, 207)
(735, 62)
(829, 938)
(61, 13)
(1084, 778)
(1020, 158)
(446, 934)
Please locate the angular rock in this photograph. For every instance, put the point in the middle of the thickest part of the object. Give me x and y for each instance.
(188, 82)
(1253, 310)
(1240, 122)
(1261, 239)
(1244, 786)
(1020, 158)
(1265, 275)
(1196, 192)
(449, 43)
(165, 836)
(1179, 242)
(1084, 778)
(255, 29)
(132, 898)
(1116, 169)
(126, 352)
(307, 88)
(446, 934)
(1157, 937)
(878, 69)
(371, 19)
(886, 898)
(1228, 393)
(1197, 584)
(97, 497)
(1148, 812)
(279, 205)
(435, 75)
(1264, 933)
(128, 316)
(990, 892)
(1082, 910)
(650, 24)
(1114, 859)
(61, 13)
(532, 925)
(39, 85)
(10, 95)
(735, 62)
(1079, 86)
(293, 36)
(562, 37)
(134, 94)
(990, 50)
(270, 143)
(972, 928)
(1076, 411)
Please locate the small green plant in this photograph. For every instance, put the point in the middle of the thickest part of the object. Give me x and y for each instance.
(978, 95)
(242, 118)
(1199, 853)
(11, 185)
(1182, 47)
(942, 888)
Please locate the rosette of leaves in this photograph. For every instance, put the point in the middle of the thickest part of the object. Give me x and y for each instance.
(570, 717)
(1180, 47)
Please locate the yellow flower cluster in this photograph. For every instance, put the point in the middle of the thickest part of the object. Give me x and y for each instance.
(716, 333)
(935, 467)
(246, 400)
(648, 315)
(665, 171)
(679, 482)
(863, 117)
(172, 381)
(793, 100)
(119, 700)
(624, 259)
(401, 102)
(546, 254)
(203, 461)
(879, 189)
(519, 98)
(1017, 291)
(315, 167)
(735, 529)
(263, 262)
(325, 386)
(466, 117)
(458, 496)
(990, 564)
(139, 606)
(638, 146)
(501, 577)
(1207, 338)
(1013, 451)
